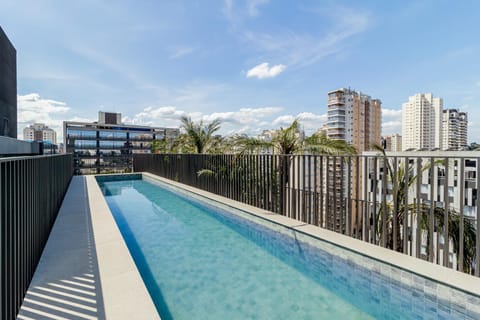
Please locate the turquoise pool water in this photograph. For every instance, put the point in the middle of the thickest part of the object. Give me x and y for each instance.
(202, 262)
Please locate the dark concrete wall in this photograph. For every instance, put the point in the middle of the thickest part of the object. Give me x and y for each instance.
(8, 87)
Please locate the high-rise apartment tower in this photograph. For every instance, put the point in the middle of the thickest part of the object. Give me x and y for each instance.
(422, 122)
(355, 118)
(454, 129)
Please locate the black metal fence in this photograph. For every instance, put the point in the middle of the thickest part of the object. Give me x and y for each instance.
(31, 192)
(423, 206)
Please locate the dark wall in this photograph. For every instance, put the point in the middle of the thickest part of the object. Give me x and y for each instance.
(8, 87)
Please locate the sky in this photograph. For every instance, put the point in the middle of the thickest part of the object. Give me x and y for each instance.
(255, 64)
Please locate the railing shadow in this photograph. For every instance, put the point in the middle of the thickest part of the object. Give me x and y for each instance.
(66, 284)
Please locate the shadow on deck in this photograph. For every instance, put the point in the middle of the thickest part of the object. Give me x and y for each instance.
(66, 284)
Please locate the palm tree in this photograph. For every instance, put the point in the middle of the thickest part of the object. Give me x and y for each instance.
(404, 173)
(290, 141)
(286, 143)
(319, 143)
(199, 136)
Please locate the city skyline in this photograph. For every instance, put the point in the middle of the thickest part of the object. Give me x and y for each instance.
(254, 64)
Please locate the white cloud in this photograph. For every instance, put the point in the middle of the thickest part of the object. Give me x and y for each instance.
(242, 120)
(161, 116)
(244, 115)
(235, 11)
(391, 113)
(32, 108)
(310, 122)
(252, 6)
(299, 48)
(390, 127)
(391, 121)
(263, 71)
(181, 52)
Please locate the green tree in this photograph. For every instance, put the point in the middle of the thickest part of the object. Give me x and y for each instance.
(287, 142)
(199, 137)
(474, 146)
(290, 141)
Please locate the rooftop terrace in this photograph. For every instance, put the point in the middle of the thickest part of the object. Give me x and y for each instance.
(86, 272)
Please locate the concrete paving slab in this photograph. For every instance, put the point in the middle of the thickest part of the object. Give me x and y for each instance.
(66, 283)
(86, 270)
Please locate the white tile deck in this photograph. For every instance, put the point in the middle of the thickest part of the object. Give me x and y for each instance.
(86, 271)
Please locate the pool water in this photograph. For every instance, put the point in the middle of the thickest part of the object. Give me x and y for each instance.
(199, 261)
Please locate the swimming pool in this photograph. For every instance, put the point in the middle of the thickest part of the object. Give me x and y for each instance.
(203, 260)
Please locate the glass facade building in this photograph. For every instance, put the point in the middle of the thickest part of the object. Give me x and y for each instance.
(108, 148)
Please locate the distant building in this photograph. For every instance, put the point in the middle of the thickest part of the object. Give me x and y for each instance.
(323, 130)
(267, 135)
(40, 132)
(108, 145)
(454, 130)
(47, 137)
(354, 117)
(393, 142)
(8, 87)
(422, 122)
(109, 117)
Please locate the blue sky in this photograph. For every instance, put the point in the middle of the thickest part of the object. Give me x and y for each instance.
(256, 64)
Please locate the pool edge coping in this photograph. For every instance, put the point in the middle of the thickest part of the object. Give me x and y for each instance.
(122, 299)
(443, 275)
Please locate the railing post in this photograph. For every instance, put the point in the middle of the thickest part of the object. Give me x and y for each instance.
(461, 183)
(405, 208)
(477, 238)
(384, 201)
(431, 223)
(418, 229)
(446, 239)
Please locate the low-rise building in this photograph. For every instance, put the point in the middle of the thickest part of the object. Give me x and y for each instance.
(392, 142)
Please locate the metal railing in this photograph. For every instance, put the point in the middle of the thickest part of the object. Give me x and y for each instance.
(422, 206)
(31, 192)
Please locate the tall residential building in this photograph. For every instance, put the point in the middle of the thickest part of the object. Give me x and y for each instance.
(393, 142)
(107, 145)
(8, 87)
(40, 132)
(422, 122)
(454, 130)
(354, 117)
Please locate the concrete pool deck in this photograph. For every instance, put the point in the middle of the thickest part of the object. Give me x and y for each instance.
(86, 271)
